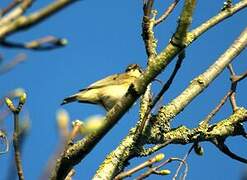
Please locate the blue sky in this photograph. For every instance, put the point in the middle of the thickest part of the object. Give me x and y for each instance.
(104, 37)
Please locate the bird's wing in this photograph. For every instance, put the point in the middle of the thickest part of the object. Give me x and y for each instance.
(114, 79)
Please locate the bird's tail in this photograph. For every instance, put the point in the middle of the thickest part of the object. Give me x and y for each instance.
(69, 99)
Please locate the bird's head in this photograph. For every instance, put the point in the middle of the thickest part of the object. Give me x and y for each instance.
(134, 68)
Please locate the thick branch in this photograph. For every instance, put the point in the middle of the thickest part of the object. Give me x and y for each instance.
(217, 19)
(223, 129)
(184, 22)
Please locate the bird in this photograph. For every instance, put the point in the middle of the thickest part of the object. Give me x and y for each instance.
(106, 92)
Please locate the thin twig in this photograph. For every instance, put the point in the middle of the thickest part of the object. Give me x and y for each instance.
(233, 87)
(167, 12)
(215, 110)
(223, 148)
(151, 150)
(231, 70)
(241, 77)
(235, 79)
(23, 130)
(143, 165)
(181, 163)
(9, 66)
(16, 111)
(154, 169)
(231, 93)
(233, 96)
(74, 132)
(45, 43)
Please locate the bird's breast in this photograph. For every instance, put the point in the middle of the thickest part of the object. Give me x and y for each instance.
(111, 94)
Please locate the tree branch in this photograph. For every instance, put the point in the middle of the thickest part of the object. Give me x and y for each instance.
(9, 66)
(44, 43)
(16, 111)
(24, 22)
(15, 13)
(147, 28)
(143, 165)
(80, 149)
(223, 148)
(201, 82)
(10, 6)
(167, 12)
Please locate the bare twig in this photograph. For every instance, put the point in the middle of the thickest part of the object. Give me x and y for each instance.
(24, 128)
(45, 43)
(219, 143)
(16, 111)
(181, 163)
(74, 132)
(143, 165)
(154, 169)
(167, 12)
(215, 110)
(151, 150)
(233, 87)
(241, 77)
(235, 79)
(17, 60)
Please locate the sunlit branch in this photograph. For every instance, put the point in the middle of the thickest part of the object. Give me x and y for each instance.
(15, 13)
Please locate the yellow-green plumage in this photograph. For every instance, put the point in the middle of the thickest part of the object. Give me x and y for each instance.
(108, 91)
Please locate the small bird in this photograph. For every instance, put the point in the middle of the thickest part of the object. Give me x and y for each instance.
(106, 92)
